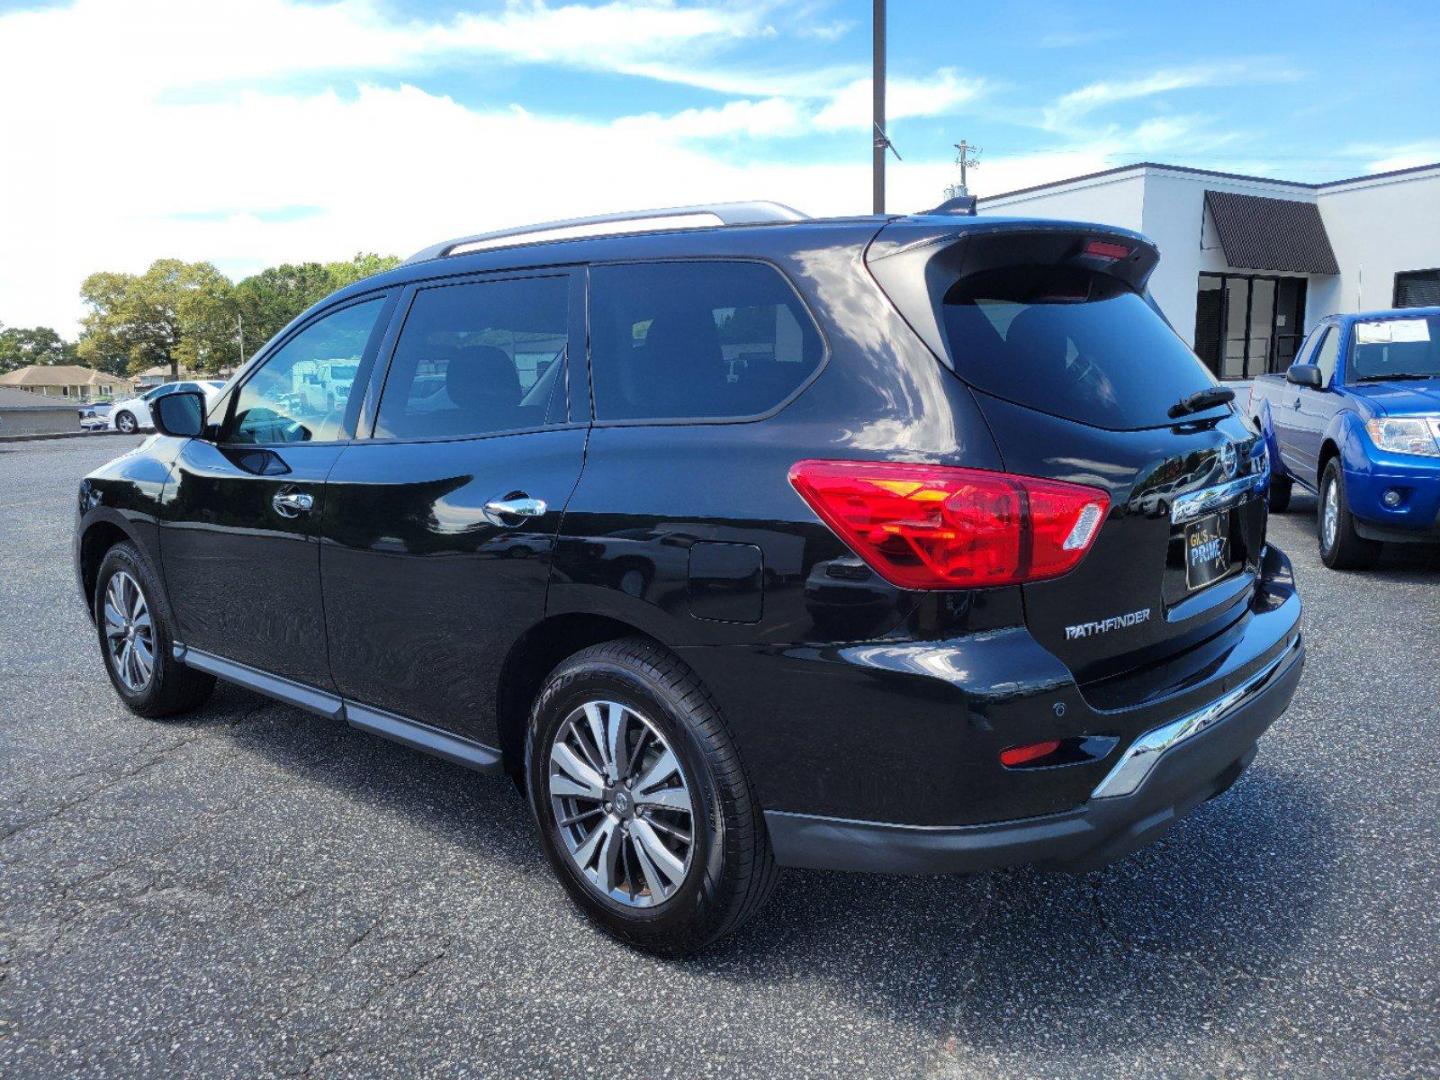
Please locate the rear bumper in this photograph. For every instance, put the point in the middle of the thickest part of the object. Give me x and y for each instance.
(1099, 831)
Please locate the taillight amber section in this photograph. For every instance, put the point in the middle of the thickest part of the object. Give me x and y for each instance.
(942, 527)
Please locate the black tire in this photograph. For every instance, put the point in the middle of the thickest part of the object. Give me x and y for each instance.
(730, 870)
(125, 422)
(171, 688)
(1345, 549)
(1281, 488)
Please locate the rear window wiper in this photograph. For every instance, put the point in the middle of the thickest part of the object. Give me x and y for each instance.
(1400, 375)
(1202, 400)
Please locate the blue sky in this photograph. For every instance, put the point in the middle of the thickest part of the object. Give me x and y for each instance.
(247, 132)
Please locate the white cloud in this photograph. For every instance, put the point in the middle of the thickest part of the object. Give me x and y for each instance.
(139, 129)
(942, 93)
(1071, 107)
(1381, 158)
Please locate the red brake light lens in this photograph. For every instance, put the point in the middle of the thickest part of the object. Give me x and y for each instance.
(1105, 250)
(941, 527)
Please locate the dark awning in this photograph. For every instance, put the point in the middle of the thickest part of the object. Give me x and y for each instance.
(1271, 234)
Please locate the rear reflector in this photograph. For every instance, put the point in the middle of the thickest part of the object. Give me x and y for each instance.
(1105, 250)
(941, 527)
(1019, 755)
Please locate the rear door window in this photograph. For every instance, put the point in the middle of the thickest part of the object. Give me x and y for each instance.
(672, 340)
(1069, 342)
(478, 358)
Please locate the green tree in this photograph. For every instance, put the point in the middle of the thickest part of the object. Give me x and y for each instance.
(21, 346)
(267, 301)
(175, 313)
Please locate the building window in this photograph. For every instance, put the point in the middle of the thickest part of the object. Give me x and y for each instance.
(1417, 288)
(1247, 324)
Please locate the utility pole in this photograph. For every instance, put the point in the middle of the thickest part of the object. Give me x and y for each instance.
(963, 150)
(240, 322)
(881, 140)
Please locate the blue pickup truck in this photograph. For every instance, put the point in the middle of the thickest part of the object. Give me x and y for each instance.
(1356, 419)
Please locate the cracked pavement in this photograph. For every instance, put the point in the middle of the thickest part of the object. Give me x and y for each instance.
(253, 891)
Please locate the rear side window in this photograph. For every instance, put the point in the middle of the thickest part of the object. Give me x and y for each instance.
(477, 358)
(1071, 343)
(696, 340)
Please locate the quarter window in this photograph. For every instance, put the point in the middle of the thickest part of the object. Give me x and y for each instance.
(479, 358)
(301, 392)
(698, 339)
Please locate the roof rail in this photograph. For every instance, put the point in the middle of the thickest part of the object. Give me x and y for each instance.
(675, 217)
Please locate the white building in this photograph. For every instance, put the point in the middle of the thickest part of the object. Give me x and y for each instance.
(1249, 265)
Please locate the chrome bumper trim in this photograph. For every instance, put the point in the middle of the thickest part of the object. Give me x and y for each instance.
(1144, 753)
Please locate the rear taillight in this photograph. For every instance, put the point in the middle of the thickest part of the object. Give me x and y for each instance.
(940, 527)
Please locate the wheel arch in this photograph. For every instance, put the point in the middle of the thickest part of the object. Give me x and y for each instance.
(102, 533)
(537, 653)
(1328, 449)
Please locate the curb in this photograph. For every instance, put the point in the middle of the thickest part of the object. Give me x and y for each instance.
(39, 436)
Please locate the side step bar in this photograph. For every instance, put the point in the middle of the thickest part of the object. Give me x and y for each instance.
(411, 733)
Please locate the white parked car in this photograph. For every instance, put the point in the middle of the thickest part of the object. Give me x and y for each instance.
(133, 414)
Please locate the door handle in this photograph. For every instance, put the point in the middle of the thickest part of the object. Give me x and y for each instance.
(290, 503)
(514, 506)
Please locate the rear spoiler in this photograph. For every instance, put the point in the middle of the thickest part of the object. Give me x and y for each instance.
(917, 260)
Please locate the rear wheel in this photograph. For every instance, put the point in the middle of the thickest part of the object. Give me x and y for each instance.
(1341, 547)
(136, 633)
(1281, 488)
(644, 810)
(125, 421)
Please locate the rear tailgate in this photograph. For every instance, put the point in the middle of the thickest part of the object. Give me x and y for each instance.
(1077, 374)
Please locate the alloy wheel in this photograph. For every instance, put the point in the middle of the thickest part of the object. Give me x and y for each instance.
(622, 804)
(129, 633)
(1330, 517)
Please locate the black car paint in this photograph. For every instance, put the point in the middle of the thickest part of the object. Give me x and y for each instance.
(855, 701)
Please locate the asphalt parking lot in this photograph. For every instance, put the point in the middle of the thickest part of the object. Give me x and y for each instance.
(254, 891)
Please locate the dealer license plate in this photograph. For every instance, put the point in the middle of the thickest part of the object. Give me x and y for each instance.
(1207, 551)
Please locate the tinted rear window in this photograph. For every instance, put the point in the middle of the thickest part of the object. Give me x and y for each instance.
(696, 339)
(1069, 342)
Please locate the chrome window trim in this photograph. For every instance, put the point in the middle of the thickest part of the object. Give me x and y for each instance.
(1145, 752)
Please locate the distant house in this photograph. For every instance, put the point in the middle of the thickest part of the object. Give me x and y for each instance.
(66, 381)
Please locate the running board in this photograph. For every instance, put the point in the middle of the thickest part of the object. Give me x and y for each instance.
(412, 733)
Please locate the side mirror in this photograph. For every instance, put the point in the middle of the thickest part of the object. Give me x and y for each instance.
(181, 414)
(1305, 375)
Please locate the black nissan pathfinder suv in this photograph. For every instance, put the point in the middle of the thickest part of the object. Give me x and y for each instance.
(740, 539)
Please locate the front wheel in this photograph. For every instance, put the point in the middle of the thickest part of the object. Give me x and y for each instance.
(137, 633)
(1341, 547)
(644, 810)
(125, 422)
